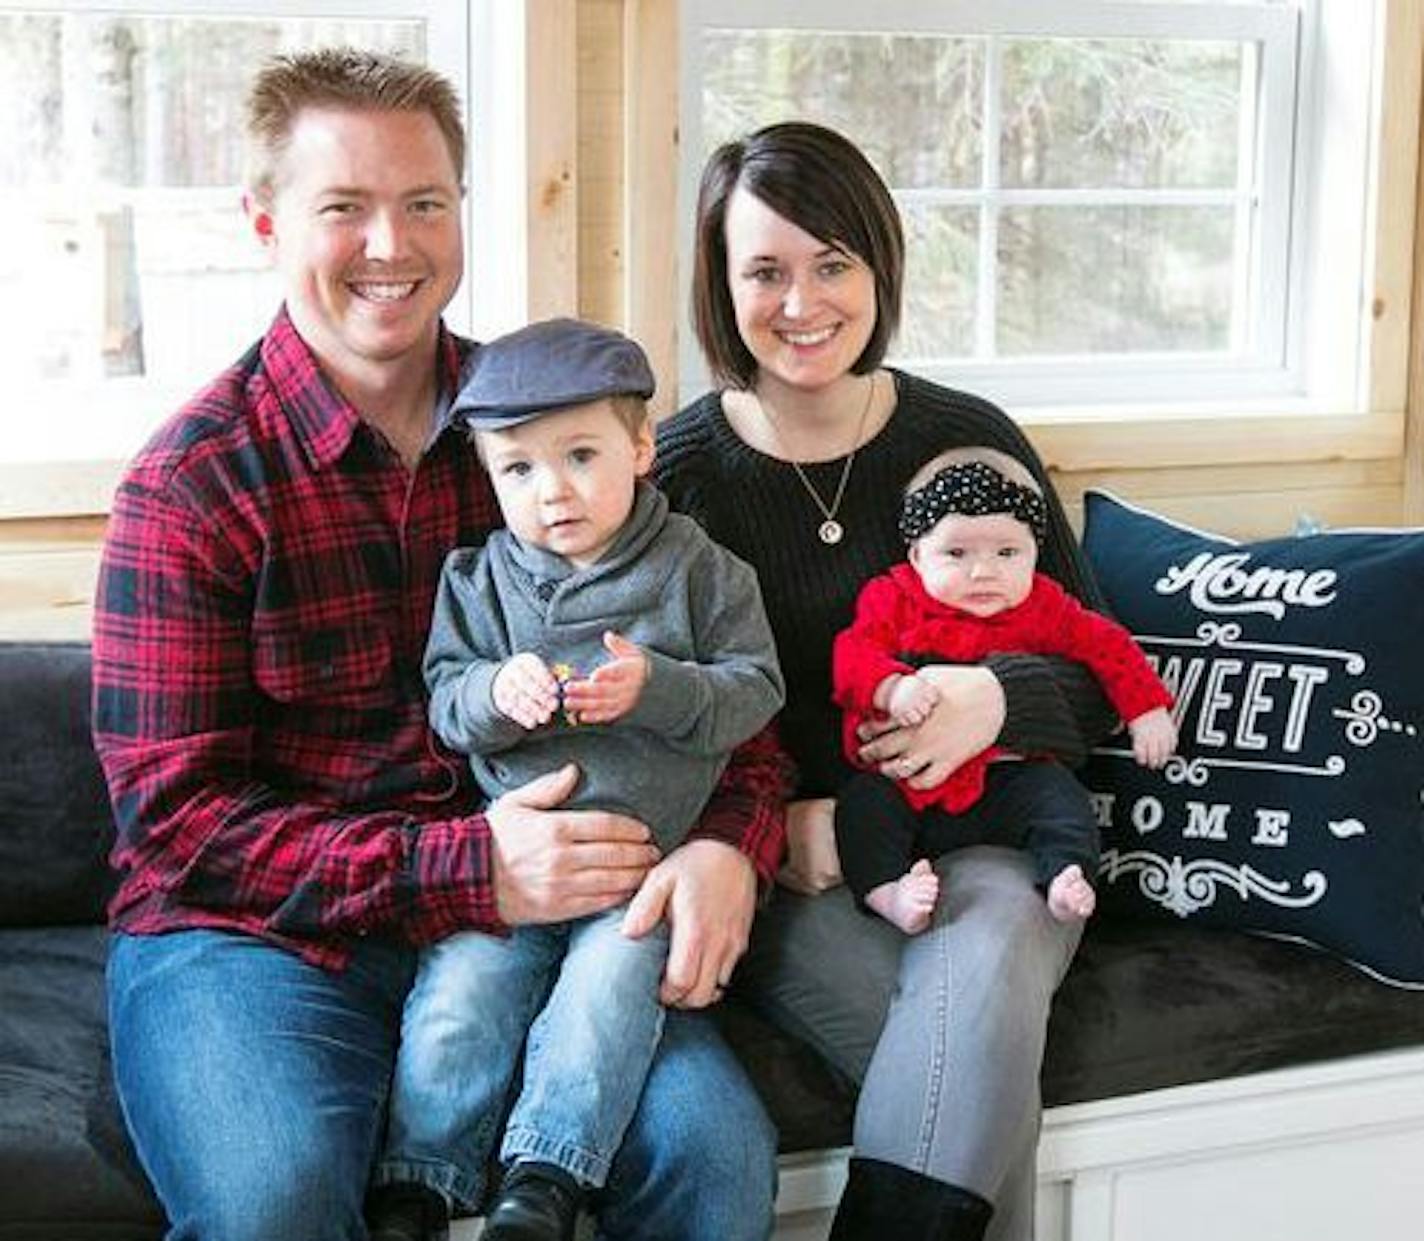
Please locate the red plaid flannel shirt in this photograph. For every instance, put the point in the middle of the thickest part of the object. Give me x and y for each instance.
(259, 708)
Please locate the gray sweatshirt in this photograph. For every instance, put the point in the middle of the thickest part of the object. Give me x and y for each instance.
(693, 607)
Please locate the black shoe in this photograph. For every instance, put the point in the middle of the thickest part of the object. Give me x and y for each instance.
(883, 1201)
(406, 1212)
(537, 1202)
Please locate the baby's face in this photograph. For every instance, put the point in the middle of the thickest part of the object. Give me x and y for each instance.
(565, 480)
(980, 565)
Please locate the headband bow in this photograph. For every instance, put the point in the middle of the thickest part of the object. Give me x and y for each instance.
(972, 489)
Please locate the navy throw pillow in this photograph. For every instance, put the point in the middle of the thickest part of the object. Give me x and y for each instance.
(1293, 805)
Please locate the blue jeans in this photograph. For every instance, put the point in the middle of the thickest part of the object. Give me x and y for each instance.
(587, 998)
(255, 1087)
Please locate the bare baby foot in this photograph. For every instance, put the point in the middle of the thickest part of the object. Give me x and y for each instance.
(909, 901)
(1071, 897)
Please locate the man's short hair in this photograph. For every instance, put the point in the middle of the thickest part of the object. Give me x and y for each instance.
(822, 183)
(341, 77)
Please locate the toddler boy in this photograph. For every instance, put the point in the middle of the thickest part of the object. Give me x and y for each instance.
(600, 629)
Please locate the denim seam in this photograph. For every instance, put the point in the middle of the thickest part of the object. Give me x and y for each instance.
(589, 1168)
(458, 1188)
(924, 1139)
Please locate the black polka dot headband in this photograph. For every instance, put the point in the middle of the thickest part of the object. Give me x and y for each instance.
(972, 489)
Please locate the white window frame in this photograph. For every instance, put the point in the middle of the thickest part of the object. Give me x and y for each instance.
(1307, 348)
(478, 45)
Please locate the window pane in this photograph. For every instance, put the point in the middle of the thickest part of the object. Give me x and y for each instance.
(121, 147)
(1120, 113)
(914, 105)
(942, 261)
(1114, 182)
(1114, 279)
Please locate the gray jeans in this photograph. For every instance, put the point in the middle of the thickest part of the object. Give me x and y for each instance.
(944, 1030)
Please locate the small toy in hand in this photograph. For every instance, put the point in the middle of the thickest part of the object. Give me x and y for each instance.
(563, 674)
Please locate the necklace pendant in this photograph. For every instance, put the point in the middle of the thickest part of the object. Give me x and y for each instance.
(831, 532)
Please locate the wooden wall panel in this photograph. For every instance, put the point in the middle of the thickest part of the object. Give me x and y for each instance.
(600, 156)
(651, 306)
(1395, 208)
(553, 182)
(47, 569)
(1250, 502)
(47, 573)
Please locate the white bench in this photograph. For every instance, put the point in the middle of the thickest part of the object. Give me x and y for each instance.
(1328, 1152)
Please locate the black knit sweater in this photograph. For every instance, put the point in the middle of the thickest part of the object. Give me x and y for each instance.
(756, 505)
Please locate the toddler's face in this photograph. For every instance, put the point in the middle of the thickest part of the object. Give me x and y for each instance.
(980, 565)
(565, 480)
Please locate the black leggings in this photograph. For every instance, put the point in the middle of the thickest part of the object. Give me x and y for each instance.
(1034, 805)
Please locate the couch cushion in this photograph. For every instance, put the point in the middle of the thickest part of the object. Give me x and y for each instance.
(1143, 1008)
(810, 1104)
(66, 1165)
(1293, 806)
(55, 825)
(1150, 1006)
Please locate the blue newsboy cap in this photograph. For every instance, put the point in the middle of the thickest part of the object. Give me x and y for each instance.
(547, 366)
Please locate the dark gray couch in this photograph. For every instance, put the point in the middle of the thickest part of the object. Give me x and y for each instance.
(1144, 1007)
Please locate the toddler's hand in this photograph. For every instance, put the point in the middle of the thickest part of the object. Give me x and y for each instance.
(911, 701)
(612, 689)
(525, 691)
(1154, 737)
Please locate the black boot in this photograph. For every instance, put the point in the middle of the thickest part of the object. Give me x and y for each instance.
(406, 1212)
(885, 1202)
(537, 1202)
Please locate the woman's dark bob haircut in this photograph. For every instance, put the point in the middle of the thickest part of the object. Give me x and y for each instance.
(822, 183)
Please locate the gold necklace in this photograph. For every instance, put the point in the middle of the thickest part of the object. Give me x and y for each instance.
(830, 530)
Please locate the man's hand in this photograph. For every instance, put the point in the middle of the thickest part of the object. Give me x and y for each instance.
(966, 722)
(812, 864)
(551, 865)
(525, 691)
(612, 689)
(706, 891)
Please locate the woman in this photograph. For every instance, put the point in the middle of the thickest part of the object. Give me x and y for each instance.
(797, 464)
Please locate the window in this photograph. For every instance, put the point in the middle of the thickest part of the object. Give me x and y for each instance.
(128, 266)
(1103, 202)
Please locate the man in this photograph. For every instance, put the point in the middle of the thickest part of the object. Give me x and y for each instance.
(289, 831)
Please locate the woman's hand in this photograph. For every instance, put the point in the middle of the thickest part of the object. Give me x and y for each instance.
(966, 722)
(812, 864)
